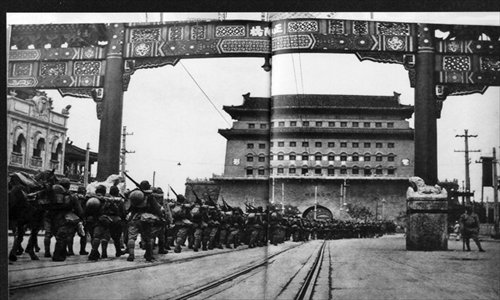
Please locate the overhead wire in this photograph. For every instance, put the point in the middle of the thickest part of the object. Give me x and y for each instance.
(204, 93)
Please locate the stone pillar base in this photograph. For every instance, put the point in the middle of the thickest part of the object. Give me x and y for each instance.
(427, 221)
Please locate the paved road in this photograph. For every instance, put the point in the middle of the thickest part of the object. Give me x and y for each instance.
(349, 269)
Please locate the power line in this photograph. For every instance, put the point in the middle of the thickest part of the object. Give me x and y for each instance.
(208, 98)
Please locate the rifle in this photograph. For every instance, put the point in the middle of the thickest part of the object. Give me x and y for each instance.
(173, 191)
(135, 182)
(227, 206)
(196, 196)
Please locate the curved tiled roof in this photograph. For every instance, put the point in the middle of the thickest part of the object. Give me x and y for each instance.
(344, 101)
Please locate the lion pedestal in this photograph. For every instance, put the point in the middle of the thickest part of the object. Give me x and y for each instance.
(427, 217)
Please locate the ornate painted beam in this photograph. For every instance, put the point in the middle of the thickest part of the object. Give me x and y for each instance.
(97, 61)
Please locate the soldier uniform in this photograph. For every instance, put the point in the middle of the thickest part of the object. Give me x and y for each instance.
(469, 222)
(182, 223)
(63, 215)
(144, 216)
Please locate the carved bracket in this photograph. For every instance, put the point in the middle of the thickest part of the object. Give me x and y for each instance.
(97, 94)
(130, 65)
(383, 57)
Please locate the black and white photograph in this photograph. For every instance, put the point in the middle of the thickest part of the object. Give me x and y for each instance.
(253, 155)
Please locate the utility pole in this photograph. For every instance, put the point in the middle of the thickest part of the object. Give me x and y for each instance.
(124, 152)
(86, 171)
(466, 136)
(315, 202)
(495, 194)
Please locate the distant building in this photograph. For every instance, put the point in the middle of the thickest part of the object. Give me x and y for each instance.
(37, 138)
(337, 149)
(36, 134)
(74, 163)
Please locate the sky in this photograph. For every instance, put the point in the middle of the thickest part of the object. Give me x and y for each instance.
(175, 127)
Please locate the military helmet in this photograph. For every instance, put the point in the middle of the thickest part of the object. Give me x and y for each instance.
(100, 189)
(137, 198)
(58, 189)
(65, 183)
(145, 186)
(93, 205)
(81, 190)
(114, 191)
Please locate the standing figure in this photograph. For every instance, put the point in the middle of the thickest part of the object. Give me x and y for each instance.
(64, 213)
(469, 222)
(145, 214)
(181, 214)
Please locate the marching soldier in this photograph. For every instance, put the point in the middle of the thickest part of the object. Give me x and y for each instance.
(180, 213)
(210, 232)
(199, 223)
(144, 215)
(236, 223)
(165, 220)
(63, 214)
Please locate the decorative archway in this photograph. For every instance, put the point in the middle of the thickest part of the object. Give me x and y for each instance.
(100, 58)
(322, 213)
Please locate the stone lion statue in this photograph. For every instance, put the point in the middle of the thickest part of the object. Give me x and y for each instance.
(113, 179)
(418, 188)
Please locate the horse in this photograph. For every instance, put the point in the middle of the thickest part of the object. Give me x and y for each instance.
(25, 193)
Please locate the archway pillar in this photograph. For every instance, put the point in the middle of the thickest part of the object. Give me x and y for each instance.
(111, 120)
(425, 107)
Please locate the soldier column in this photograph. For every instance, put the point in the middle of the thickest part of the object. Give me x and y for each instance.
(425, 107)
(111, 120)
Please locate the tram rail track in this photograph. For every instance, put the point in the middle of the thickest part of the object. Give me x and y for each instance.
(307, 289)
(209, 286)
(305, 292)
(83, 262)
(37, 283)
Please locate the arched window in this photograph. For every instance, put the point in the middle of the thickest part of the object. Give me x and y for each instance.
(343, 156)
(318, 156)
(378, 157)
(317, 171)
(305, 170)
(355, 170)
(262, 157)
(331, 170)
(292, 156)
(280, 170)
(367, 157)
(20, 144)
(250, 157)
(391, 171)
(261, 171)
(305, 156)
(343, 170)
(40, 146)
(378, 170)
(355, 157)
(281, 156)
(249, 171)
(367, 171)
(331, 156)
(390, 157)
(58, 150)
